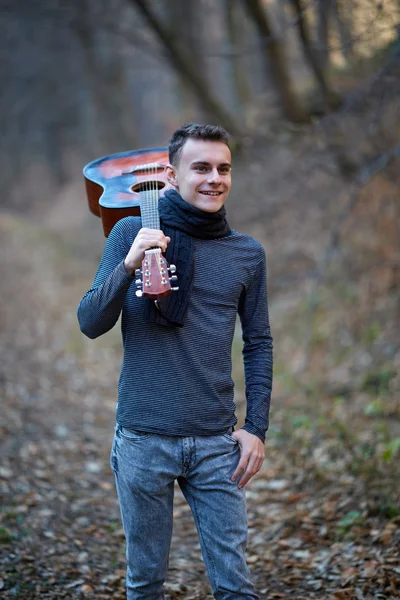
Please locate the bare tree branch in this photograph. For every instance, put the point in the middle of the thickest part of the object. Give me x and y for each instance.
(184, 67)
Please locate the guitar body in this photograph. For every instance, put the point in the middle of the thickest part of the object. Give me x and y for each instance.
(114, 183)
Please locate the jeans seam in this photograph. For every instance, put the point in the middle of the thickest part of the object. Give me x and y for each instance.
(189, 460)
(210, 561)
(114, 457)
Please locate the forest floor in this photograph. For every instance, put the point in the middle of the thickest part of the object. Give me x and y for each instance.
(324, 513)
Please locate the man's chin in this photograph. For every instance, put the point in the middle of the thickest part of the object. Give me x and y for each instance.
(210, 206)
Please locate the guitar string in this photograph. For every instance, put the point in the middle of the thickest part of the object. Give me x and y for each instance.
(157, 218)
(153, 199)
(151, 216)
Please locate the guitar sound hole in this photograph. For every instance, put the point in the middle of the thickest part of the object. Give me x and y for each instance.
(145, 186)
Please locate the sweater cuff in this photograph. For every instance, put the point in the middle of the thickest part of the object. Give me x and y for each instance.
(121, 268)
(255, 431)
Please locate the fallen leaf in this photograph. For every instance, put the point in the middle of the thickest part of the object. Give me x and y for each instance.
(86, 589)
(349, 574)
(370, 568)
(344, 594)
(74, 584)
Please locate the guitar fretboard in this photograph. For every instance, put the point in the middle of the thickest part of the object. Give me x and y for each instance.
(149, 209)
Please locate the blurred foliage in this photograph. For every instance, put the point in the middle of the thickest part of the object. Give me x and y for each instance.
(81, 79)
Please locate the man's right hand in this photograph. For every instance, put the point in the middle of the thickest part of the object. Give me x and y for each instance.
(145, 239)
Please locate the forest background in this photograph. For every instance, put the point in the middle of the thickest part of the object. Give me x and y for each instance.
(310, 91)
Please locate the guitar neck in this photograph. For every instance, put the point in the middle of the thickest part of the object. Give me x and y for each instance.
(149, 209)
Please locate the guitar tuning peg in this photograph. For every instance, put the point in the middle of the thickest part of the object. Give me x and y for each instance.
(173, 278)
(172, 268)
(175, 289)
(138, 282)
(138, 272)
(139, 293)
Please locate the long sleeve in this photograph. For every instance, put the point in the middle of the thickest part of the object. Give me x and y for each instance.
(257, 351)
(101, 306)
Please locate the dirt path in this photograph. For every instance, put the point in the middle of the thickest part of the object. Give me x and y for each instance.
(318, 527)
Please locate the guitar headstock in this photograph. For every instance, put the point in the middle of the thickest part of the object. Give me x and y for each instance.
(155, 277)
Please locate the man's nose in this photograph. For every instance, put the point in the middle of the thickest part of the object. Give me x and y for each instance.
(214, 176)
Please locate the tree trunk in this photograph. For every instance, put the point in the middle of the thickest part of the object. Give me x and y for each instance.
(324, 11)
(187, 70)
(274, 54)
(238, 70)
(342, 13)
(106, 80)
(330, 99)
(183, 11)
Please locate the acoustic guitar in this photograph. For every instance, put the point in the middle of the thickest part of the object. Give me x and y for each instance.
(130, 184)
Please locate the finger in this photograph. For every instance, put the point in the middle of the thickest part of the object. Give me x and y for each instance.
(259, 464)
(253, 467)
(242, 464)
(165, 240)
(251, 470)
(152, 239)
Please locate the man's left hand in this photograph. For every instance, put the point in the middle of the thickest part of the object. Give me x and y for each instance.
(252, 454)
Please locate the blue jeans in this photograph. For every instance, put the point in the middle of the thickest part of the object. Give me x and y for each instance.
(145, 467)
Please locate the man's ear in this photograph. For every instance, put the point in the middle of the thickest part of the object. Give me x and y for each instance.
(171, 175)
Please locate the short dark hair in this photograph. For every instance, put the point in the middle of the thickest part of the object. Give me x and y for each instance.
(213, 133)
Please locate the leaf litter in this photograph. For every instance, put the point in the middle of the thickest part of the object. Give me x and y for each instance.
(324, 515)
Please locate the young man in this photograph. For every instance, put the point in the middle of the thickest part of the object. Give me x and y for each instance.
(175, 412)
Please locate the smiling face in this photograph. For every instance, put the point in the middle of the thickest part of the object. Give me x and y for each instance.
(202, 175)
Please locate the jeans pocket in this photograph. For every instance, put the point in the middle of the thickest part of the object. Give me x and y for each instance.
(229, 436)
(132, 434)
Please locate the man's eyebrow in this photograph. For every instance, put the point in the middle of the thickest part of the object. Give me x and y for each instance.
(206, 163)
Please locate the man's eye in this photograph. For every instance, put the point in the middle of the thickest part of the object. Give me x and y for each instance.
(201, 169)
(225, 170)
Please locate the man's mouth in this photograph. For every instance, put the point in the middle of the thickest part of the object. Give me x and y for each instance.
(206, 193)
